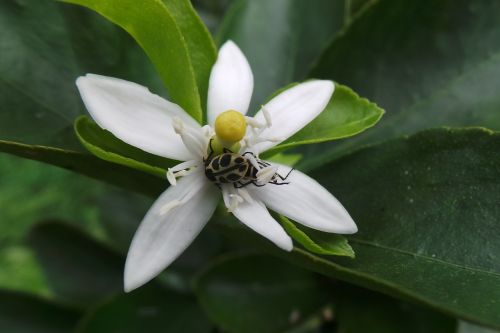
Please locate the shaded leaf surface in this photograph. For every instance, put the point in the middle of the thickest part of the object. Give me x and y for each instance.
(360, 311)
(78, 269)
(148, 309)
(45, 46)
(256, 293)
(21, 313)
(431, 235)
(427, 63)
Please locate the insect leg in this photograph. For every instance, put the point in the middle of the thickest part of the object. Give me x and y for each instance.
(257, 184)
(288, 174)
(275, 182)
(210, 155)
(241, 184)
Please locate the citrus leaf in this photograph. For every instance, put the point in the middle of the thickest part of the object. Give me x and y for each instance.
(88, 165)
(346, 115)
(45, 46)
(199, 42)
(257, 293)
(147, 309)
(426, 209)
(423, 62)
(359, 310)
(106, 146)
(23, 313)
(316, 241)
(181, 51)
(79, 270)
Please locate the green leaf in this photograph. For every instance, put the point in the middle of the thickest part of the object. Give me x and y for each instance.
(283, 54)
(257, 293)
(19, 271)
(286, 159)
(45, 46)
(147, 309)
(426, 208)
(199, 42)
(174, 39)
(346, 115)
(88, 165)
(427, 63)
(22, 313)
(106, 146)
(316, 241)
(78, 269)
(358, 311)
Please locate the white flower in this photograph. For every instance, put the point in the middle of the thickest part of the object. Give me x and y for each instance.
(147, 121)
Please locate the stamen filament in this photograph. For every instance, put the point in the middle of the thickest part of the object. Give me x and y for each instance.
(194, 141)
(267, 116)
(180, 170)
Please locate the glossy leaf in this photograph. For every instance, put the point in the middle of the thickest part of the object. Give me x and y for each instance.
(181, 51)
(427, 63)
(147, 309)
(45, 46)
(78, 269)
(316, 241)
(199, 42)
(22, 313)
(88, 165)
(431, 235)
(106, 146)
(257, 293)
(283, 53)
(346, 115)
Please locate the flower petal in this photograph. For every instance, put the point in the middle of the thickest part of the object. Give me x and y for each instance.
(135, 115)
(293, 109)
(305, 201)
(255, 216)
(231, 82)
(168, 229)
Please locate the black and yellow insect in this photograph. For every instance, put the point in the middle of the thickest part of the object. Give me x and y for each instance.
(236, 169)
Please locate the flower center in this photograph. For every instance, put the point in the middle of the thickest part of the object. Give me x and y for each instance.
(228, 157)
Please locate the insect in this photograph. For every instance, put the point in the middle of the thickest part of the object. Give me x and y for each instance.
(236, 169)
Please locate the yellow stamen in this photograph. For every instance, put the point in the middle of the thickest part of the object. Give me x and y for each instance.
(230, 127)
